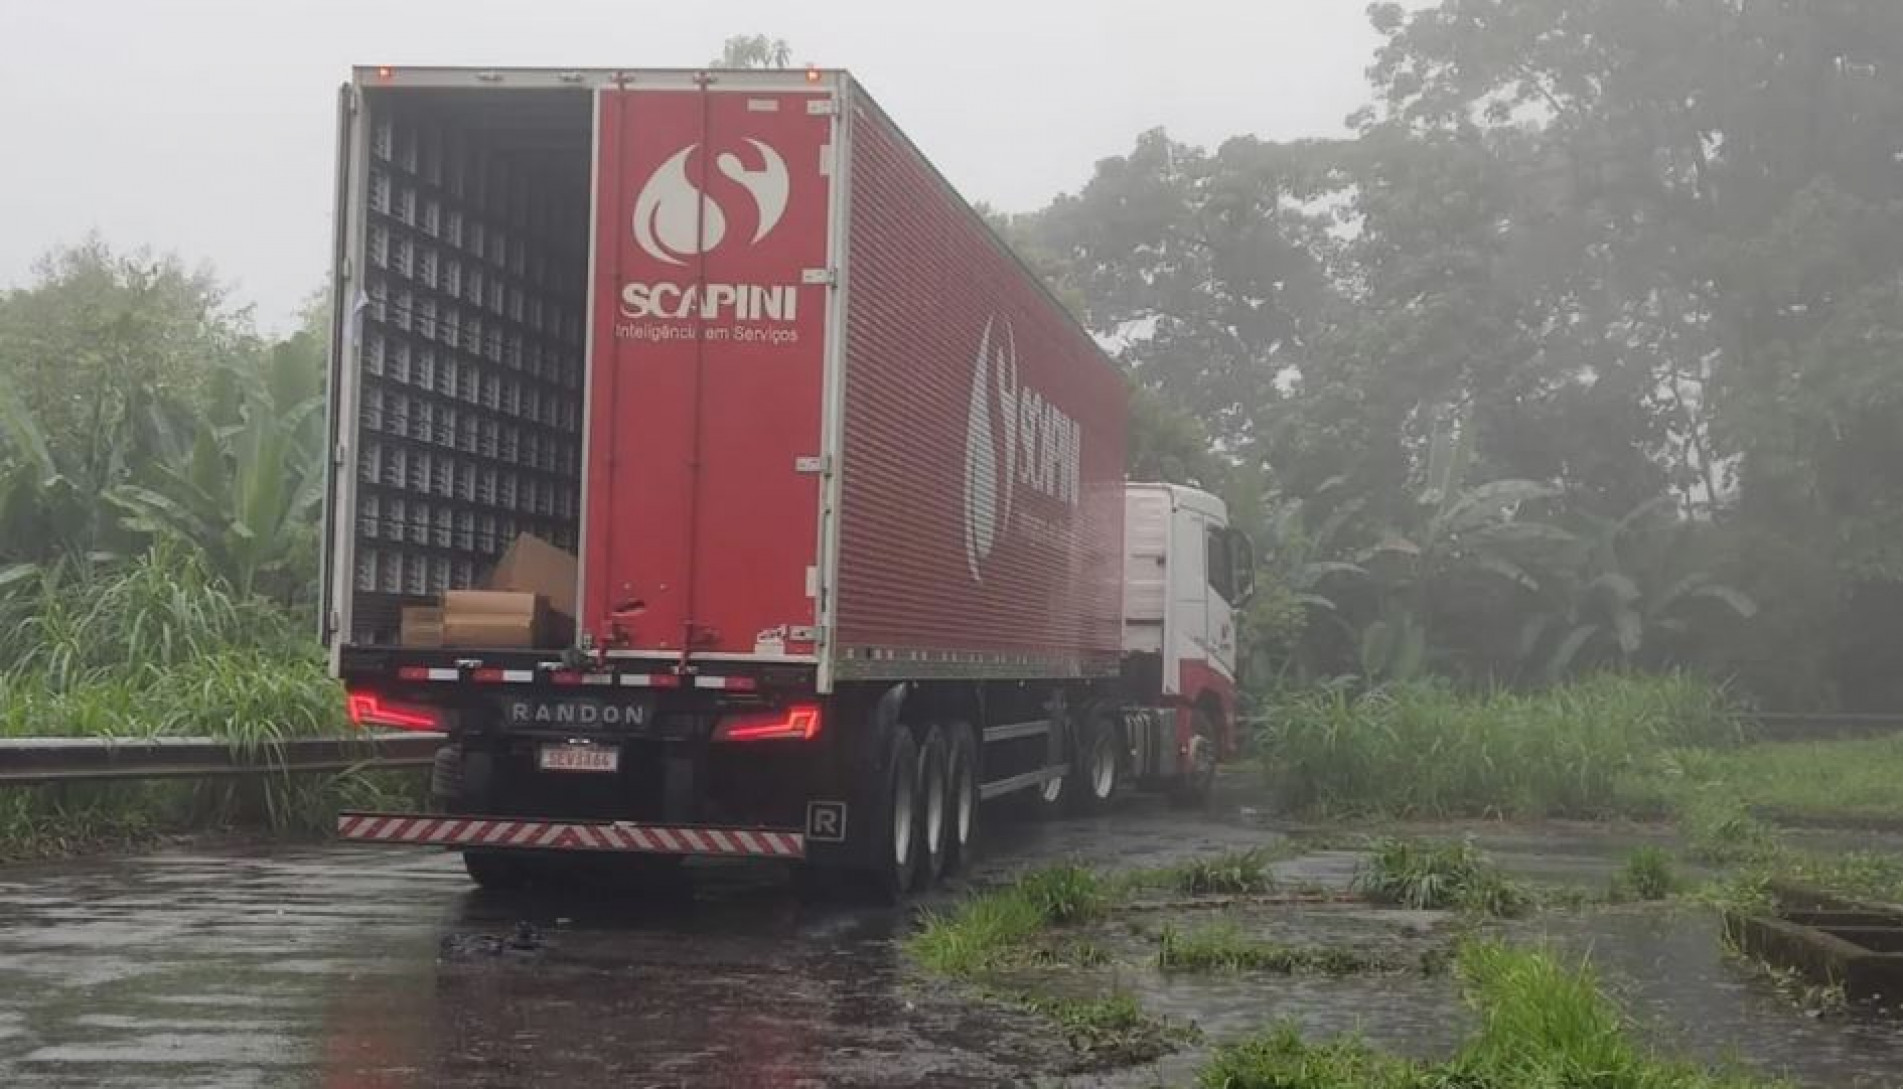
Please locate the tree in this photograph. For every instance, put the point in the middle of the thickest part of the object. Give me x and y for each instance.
(753, 51)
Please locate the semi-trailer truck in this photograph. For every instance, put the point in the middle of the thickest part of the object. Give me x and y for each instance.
(843, 485)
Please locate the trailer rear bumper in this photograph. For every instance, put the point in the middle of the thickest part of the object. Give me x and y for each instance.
(511, 833)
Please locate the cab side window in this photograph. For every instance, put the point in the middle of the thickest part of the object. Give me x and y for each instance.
(1222, 565)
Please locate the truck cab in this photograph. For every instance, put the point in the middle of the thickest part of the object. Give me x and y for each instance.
(1186, 574)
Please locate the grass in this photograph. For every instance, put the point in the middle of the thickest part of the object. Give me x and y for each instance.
(1238, 873)
(997, 928)
(1842, 781)
(1227, 949)
(1648, 874)
(1543, 1022)
(158, 647)
(1427, 750)
(1110, 1032)
(1011, 927)
(1428, 876)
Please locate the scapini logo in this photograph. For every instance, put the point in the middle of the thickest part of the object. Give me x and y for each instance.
(674, 221)
(1014, 438)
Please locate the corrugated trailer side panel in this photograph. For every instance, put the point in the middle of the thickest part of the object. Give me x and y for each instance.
(980, 522)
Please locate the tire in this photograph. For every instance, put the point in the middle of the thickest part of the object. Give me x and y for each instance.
(1194, 785)
(932, 796)
(1050, 799)
(494, 871)
(895, 839)
(961, 828)
(1097, 766)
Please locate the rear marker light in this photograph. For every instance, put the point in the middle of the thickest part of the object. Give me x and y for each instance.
(800, 722)
(368, 710)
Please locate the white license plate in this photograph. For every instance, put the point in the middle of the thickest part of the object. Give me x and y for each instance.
(579, 758)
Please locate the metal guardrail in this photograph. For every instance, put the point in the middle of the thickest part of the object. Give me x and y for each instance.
(1802, 726)
(40, 760)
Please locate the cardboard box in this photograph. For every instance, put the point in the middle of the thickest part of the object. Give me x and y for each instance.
(422, 626)
(494, 619)
(533, 566)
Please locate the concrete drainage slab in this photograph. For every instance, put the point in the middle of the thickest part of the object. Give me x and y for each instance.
(1828, 939)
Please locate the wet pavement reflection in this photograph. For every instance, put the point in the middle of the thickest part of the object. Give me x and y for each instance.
(353, 969)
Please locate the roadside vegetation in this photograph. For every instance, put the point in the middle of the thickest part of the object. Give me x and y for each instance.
(1429, 750)
(988, 937)
(1429, 876)
(1542, 1021)
(1225, 948)
(1648, 874)
(161, 471)
(1233, 873)
(1852, 782)
(1001, 927)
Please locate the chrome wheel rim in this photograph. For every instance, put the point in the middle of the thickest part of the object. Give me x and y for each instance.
(902, 818)
(1103, 769)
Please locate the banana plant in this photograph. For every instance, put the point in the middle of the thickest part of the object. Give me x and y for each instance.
(1456, 532)
(1629, 597)
(247, 487)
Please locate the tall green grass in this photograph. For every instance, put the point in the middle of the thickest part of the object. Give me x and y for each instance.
(157, 646)
(1544, 1023)
(1427, 750)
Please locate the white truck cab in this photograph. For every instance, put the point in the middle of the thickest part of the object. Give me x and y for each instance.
(1186, 573)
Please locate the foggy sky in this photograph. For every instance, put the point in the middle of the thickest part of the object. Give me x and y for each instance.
(206, 126)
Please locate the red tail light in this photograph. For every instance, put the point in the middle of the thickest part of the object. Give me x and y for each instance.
(799, 722)
(369, 710)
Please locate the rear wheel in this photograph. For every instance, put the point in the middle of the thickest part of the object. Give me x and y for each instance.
(961, 828)
(933, 794)
(1098, 765)
(896, 848)
(1049, 798)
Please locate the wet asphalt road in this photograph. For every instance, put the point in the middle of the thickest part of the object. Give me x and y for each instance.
(361, 968)
(354, 967)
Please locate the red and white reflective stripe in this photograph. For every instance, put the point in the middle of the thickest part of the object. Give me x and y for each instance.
(651, 680)
(505, 676)
(421, 673)
(568, 836)
(730, 684)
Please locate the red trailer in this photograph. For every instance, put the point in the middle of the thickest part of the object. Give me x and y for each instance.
(843, 482)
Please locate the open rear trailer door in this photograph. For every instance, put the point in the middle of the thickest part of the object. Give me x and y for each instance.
(711, 295)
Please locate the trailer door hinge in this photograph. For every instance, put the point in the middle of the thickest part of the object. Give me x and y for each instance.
(828, 277)
(821, 464)
(340, 455)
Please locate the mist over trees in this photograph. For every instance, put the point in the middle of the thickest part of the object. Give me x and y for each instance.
(1584, 350)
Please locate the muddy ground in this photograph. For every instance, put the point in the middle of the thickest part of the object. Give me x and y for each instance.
(361, 968)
